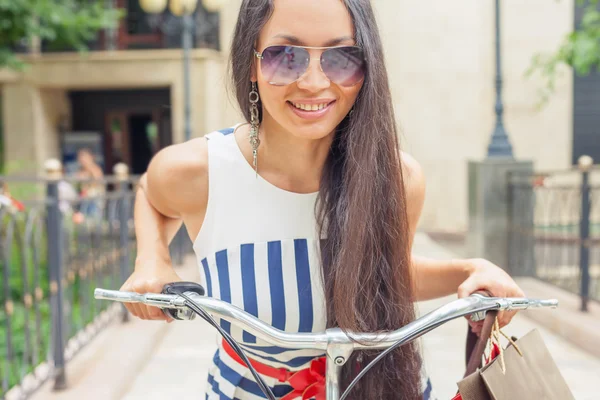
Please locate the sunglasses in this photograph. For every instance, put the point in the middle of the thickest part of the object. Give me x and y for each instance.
(282, 65)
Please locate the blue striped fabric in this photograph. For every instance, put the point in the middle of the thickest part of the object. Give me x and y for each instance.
(284, 268)
(249, 279)
(276, 285)
(224, 286)
(278, 282)
(227, 131)
(247, 385)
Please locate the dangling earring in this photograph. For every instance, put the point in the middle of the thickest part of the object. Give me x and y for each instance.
(254, 140)
(351, 111)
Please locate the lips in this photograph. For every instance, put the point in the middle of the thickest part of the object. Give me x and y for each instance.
(311, 111)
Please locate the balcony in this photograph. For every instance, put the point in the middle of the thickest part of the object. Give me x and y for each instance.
(139, 30)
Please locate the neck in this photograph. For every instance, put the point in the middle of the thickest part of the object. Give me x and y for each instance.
(291, 162)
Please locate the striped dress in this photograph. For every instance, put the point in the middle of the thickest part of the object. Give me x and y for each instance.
(258, 250)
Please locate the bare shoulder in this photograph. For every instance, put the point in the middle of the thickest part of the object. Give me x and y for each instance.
(414, 186)
(412, 172)
(177, 178)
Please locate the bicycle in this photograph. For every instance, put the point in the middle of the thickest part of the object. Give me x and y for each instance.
(183, 300)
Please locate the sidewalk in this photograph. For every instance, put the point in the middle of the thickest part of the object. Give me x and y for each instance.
(443, 348)
(178, 367)
(106, 367)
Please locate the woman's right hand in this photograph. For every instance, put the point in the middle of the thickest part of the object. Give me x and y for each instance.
(149, 278)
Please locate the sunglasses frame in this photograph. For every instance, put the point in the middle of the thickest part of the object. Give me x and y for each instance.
(259, 55)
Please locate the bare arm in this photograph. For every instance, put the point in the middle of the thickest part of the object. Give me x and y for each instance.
(153, 230)
(173, 190)
(432, 278)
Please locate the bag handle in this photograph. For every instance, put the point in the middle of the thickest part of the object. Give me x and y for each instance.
(476, 345)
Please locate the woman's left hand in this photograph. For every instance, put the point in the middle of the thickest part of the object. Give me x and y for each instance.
(487, 276)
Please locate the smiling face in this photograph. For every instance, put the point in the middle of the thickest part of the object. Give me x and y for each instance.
(312, 105)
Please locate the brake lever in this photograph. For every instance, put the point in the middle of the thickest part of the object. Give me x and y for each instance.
(179, 288)
(480, 315)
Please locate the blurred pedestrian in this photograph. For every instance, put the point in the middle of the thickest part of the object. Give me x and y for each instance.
(93, 188)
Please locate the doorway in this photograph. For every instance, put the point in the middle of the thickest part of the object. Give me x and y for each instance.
(143, 141)
(133, 123)
(134, 138)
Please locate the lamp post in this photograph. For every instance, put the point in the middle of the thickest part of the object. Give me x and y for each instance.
(184, 9)
(499, 145)
(496, 213)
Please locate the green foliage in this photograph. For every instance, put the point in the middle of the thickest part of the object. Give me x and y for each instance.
(1, 149)
(23, 348)
(25, 259)
(61, 23)
(26, 337)
(579, 50)
(1, 138)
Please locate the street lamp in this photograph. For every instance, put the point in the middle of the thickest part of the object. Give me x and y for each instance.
(153, 6)
(499, 145)
(184, 9)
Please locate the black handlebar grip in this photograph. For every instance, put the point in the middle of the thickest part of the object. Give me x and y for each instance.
(178, 288)
(182, 287)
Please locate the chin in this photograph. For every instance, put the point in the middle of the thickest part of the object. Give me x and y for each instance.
(314, 130)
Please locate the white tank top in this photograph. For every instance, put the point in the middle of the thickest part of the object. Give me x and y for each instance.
(258, 250)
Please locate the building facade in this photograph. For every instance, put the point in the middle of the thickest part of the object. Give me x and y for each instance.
(439, 55)
(126, 93)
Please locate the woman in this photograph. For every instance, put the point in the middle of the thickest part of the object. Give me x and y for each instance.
(303, 216)
(91, 191)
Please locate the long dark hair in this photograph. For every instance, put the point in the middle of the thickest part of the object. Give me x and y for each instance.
(361, 210)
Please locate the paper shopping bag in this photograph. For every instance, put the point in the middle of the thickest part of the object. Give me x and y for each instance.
(472, 387)
(524, 370)
(528, 374)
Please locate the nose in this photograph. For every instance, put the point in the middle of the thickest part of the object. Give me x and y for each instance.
(314, 79)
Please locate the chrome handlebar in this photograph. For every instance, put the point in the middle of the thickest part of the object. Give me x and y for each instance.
(475, 305)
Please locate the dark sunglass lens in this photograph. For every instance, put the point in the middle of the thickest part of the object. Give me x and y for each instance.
(344, 66)
(282, 65)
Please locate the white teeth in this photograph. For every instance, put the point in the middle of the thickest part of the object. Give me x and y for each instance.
(310, 107)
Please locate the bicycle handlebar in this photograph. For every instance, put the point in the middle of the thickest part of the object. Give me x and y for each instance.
(475, 305)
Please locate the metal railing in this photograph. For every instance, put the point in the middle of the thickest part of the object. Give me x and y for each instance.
(554, 228)
(55, 248)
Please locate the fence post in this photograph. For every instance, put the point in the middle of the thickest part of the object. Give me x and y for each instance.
(177, 247)
(121, 171)
(54, 238)
(511, 231)
(585, 163)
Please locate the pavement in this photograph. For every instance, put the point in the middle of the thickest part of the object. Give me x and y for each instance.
(105, 368)
(443, 348)
(154, 360)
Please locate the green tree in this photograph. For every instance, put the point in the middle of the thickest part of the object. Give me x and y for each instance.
(63, 23)
(579, 50)
(1, 140)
